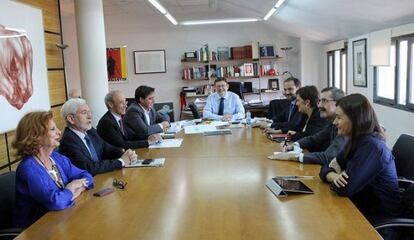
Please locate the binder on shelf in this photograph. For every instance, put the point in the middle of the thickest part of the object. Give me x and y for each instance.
(255, 50)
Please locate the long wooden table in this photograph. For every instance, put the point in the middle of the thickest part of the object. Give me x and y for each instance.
(212, 187)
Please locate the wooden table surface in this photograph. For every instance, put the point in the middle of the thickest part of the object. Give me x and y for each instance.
(212, 187)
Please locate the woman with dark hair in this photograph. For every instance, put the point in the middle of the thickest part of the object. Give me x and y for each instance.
(45, 180)
(307, 102)
(365, 169)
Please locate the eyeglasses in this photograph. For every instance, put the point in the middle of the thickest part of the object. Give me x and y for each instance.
(121, 184)
(324, 100)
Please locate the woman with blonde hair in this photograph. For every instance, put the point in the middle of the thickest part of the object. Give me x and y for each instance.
(45, 180)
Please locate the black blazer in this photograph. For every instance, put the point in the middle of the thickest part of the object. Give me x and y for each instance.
(110, 131)
(136, 125)
(314, 125)
(74, 148)
(296, 123)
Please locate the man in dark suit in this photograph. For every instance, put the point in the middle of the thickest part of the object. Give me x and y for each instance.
(82, 144)
(141, 119)
(111, 127)
(290, 118)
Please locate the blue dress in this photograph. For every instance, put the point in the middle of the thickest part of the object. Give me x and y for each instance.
(37, 193)
(372, 184)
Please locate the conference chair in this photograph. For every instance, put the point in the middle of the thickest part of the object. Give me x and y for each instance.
(403, 151)
(276, 106)
(236, 87)
(194, 110)
(7, 200)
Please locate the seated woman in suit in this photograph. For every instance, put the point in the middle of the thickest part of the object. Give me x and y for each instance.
(307, 103)
(45, 180)
(365, 169)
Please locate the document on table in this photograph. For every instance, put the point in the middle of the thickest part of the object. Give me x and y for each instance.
(199, 129)
(168, 143)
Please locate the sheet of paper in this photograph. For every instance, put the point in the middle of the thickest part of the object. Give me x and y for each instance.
(199, 129)
(168, 143)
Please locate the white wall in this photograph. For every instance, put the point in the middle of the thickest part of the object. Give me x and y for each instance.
(395, 121)
(311, 62)
(157, 33)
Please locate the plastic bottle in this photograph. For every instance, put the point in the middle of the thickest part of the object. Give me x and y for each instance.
(248, 118)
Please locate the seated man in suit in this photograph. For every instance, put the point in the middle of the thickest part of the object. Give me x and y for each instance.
(290, 118)
(141, 119)
(111, 127)
(324, 145)
(223, 105)
(82, 144)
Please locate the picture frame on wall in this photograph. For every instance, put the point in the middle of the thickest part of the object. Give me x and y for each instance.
(116, 64)
(150, 61)
(359, 56)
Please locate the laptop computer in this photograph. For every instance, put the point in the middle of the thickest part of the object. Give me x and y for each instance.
(282, 187)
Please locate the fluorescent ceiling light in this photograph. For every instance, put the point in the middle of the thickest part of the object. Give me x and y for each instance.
(164, 12)
(270, 13)
(171, 18)
(279, 3)
(158, 6)
(273, 10)
(199, 22)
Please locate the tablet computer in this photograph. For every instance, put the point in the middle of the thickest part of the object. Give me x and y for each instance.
(282, 187)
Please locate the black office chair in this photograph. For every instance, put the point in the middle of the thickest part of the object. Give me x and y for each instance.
(403, 152)
(276, 106)
(7, 199)
(236, 87)
(194, 110)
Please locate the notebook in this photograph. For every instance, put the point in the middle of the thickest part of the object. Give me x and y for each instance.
(156, 162)
(282, 187)
(218, 132)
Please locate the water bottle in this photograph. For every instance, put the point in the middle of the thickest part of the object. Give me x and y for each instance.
(248, 118)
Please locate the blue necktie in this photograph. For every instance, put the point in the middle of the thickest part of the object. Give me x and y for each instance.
(291, 106)
(221, 107)
(92, 150)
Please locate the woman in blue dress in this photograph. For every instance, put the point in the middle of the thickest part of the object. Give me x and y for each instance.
(365, 170)
(45, 180)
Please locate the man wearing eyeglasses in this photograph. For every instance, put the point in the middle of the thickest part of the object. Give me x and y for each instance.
(324, 145)
(223, 105)
(82, 144)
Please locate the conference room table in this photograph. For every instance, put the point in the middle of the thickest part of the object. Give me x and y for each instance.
(212, 187)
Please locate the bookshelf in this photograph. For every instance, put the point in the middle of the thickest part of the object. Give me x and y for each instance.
(204, 67)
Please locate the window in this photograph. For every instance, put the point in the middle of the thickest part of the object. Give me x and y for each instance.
(393, 85)
(337, 69)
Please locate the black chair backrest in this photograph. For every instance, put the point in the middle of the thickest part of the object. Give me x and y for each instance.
(403, 151)
(7, 198)
(277, 106)
(236, 87)
(194, 111)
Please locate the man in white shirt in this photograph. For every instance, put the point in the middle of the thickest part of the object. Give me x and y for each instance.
(223, 105)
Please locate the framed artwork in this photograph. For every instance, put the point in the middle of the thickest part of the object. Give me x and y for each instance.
(116, 64)
(150, 61)
(248, 69)
(273, 84)
(359, 55)
(267, 51)
(23, 68)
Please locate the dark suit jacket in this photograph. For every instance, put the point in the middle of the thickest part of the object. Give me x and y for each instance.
(109, 131)
(277, 106)
(314, 124)
(74, 148)
(296, 123)
(323, 146)
(136, 125)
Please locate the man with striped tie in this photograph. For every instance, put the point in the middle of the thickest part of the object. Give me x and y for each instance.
(82, 144)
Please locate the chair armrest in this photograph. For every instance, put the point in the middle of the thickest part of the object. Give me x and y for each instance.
(393, 222)
(404, 180)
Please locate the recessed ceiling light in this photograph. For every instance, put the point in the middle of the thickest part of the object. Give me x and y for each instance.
(163, 11)
(274, 8)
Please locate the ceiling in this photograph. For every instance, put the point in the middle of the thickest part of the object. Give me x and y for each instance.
(318, 20)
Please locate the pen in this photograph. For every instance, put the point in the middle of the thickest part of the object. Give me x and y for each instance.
(296, 177)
